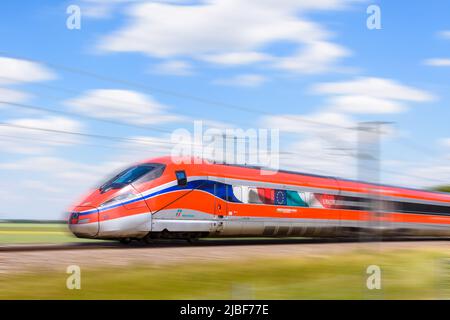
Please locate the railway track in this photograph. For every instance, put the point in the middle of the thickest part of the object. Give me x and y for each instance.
(199, 243)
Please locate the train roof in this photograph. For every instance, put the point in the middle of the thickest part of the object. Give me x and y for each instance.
(342, 182)
(336, 178)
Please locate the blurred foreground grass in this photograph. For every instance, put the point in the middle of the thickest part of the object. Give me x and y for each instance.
(11, 233)
(406, 274)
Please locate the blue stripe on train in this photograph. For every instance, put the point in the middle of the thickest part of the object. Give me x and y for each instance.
(218, 189)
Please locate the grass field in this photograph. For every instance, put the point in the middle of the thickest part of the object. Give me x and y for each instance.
(11, 233)
(406, 274)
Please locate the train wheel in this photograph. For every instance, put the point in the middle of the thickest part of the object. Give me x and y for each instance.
(125, 241)
(192, 240)
(148, 240)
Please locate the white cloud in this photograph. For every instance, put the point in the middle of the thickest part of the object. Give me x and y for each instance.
(313, 123)
(438, 62)
(55, 182)
(320, 143)
(102, 9)
(10, 95)
(146, 147)
(62, 171)
(217, 124)
(37, 185)
(326, 142)
(374, 87)
(174, 67)
(318, 156)
(49, 182)
(18, 139)
(98, 10)
(323, 143)
(237, 58)
(319, 56)
(426, 175)
(124, 105)
(243, 80)
(415, 173)
(446, 142)
(16, 71)
(365, 104)
(231, 32)
(366, 95)
(13, 71)
(53, 123)
(444, 34)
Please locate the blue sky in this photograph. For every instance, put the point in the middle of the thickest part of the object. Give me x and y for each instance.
(170, 63)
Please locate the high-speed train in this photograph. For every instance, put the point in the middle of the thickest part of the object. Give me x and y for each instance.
(163, 198)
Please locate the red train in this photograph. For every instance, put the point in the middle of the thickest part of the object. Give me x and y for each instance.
(159, 198)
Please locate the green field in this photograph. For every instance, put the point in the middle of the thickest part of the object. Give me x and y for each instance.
(23, 233)
(406, 274)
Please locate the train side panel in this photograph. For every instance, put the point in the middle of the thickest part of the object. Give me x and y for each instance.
(230, 201)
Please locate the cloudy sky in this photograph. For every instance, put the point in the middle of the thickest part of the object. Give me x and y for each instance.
(76, 104)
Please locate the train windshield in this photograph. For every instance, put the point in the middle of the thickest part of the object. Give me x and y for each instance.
(139, 173)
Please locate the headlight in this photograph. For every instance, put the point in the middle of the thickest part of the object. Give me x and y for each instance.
(122, 197)
(74, 216)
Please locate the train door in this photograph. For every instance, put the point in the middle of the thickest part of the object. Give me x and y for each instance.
(220, 204)
(158, 199)
(337, 225)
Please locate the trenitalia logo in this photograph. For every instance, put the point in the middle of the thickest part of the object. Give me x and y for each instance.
(257, 147)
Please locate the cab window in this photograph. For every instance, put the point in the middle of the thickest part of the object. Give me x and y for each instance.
(155, 173)
(135, 174)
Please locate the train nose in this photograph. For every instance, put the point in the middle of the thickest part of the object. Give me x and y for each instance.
(83, 222)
